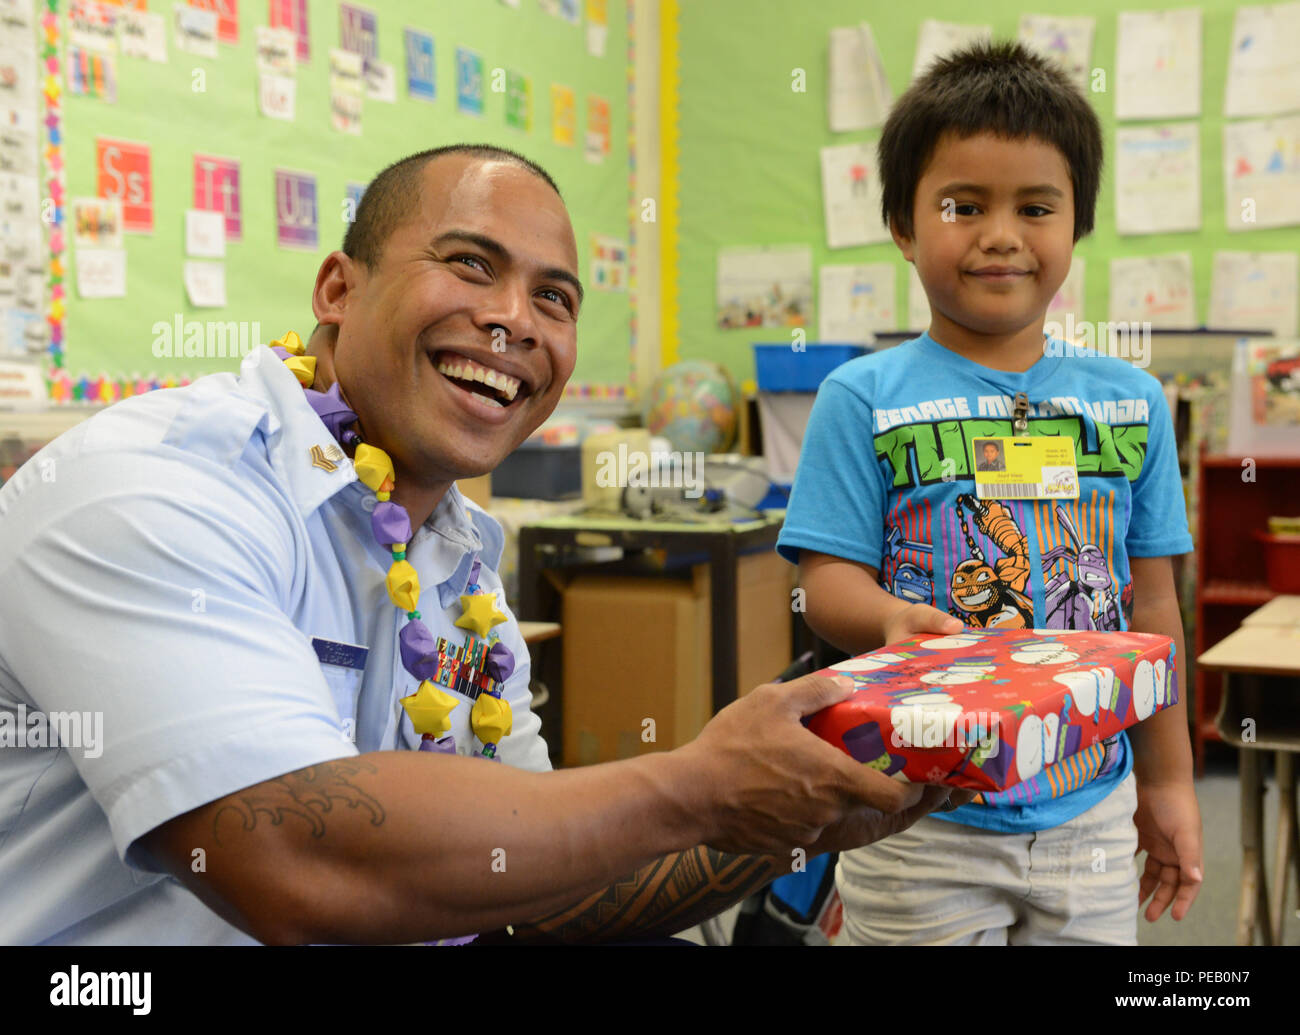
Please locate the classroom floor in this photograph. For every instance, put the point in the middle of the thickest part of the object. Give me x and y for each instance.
(1213, 917)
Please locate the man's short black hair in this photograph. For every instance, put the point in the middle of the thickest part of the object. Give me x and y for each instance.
(394, 193)
(1002, 88)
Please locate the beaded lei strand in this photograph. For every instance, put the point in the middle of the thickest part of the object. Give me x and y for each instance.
(477, 669)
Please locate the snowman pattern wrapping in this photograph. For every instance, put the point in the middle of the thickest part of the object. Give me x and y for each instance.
(990, 708)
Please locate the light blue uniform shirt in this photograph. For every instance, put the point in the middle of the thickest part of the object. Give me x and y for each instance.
(167, 563)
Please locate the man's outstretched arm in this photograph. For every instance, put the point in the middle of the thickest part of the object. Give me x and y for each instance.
(407, 846)
(669, 895)
(680, 890)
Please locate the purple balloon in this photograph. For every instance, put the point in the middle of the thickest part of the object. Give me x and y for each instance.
(332, 410)
(390, 523)
(442, 746)
(419, 649)
(500, 662)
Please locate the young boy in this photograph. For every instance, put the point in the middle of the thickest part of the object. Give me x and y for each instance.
(990, 166)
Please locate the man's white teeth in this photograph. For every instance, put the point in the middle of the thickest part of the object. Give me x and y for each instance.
(503, 383)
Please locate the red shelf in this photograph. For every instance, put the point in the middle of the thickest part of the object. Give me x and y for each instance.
(1231, 564)
(1220, 460)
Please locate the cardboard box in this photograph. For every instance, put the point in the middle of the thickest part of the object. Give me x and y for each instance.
(764, 618)
(988, 709)
(638, 655)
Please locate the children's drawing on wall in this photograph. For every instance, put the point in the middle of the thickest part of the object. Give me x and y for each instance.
(764, 287)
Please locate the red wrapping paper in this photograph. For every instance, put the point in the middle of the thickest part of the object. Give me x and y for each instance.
(987, 709)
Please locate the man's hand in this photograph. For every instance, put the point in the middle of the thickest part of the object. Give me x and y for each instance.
(867, 825)
(1168, 822)
(768, 784)
(920, 618)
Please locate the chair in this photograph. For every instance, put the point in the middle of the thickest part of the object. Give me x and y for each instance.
(1260, 713)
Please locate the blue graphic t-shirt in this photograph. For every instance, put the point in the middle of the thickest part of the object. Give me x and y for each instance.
(886, 478)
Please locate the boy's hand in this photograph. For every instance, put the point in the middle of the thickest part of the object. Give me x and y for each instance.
(1169, 830)
(920, 618)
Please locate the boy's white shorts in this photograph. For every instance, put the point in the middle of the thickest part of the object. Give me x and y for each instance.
(942, 883)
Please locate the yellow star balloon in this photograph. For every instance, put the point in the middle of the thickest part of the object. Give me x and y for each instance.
(303, 368)
(291, 343)
(480, 613)
(491, 718)
(430, 709)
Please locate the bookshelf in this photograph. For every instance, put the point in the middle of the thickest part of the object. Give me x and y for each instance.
(1231, 580)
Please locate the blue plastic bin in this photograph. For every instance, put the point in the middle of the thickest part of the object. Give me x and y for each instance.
(780, 368)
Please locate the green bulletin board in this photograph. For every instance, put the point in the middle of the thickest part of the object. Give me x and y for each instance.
(196, 105)
(749, 145)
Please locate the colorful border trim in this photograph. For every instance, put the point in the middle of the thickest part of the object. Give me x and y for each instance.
(583, 389)
(56, 308)
(60, 387)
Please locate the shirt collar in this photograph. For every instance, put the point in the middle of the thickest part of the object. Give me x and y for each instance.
(301, 445)
(312, 463)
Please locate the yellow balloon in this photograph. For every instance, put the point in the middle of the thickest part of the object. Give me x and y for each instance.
(430, 709)
(491, 718)
(403, 585)
(374, 468)
(291, 343)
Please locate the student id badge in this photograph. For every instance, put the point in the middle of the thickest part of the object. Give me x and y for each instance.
(1023, 468)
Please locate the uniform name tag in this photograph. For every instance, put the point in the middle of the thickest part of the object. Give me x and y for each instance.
(1010, 468)
(345, 655)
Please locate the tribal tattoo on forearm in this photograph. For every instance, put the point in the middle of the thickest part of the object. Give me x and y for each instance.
(308, 794)
(667, 896)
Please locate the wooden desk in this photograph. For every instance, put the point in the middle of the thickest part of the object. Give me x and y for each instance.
(537, 632)
(1265, 650)
(1260, 711)
(1284, 610)
(545, 544)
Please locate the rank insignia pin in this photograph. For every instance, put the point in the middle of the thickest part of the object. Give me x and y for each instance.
(321, 460)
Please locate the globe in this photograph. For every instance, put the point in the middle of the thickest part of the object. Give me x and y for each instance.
(694, 405)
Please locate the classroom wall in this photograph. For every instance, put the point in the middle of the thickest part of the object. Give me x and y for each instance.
(158, 104)
(748, 167)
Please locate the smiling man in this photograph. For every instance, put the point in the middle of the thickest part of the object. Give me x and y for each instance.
(198, 565)
(420, 317)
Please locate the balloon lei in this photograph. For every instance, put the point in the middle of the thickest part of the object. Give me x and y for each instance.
(479, 667)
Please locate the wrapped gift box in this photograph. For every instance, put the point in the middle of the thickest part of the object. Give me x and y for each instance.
(986, 709)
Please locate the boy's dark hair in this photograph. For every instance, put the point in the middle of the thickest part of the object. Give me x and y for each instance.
(390, 197)
(1002, 88)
